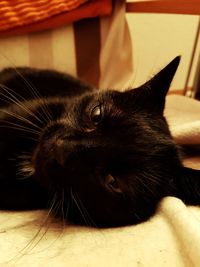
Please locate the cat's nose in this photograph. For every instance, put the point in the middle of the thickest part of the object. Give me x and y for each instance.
(63, 151)
(58, 151)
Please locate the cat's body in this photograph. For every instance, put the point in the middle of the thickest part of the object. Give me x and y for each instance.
(99, 158)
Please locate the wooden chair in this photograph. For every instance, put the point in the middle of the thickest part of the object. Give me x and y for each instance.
(189, 7)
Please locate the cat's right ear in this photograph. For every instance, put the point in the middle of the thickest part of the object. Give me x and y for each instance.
(151, 95)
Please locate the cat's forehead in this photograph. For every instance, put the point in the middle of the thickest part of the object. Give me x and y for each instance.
(104, 97)
(126, 100)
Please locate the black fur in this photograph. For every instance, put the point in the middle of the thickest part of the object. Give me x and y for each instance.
(102, 158)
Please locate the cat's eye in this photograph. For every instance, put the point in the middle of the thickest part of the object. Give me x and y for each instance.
(96, 115)
(112, 183)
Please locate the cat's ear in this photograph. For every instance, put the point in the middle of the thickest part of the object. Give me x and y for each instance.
(160, 83)
(188, 185)
(151, 95)
(158, 86)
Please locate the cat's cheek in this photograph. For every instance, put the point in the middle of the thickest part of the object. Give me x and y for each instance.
(27, 169)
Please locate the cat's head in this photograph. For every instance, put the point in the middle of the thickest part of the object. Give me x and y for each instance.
(110, 157)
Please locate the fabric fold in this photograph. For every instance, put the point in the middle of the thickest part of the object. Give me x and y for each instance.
(183, 116)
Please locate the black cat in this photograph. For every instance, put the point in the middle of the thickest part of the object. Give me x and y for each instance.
(101, 158)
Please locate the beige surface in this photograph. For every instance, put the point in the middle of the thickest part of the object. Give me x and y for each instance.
(170, 238)
(183, 115)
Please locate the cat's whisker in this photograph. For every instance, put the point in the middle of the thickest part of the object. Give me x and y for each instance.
(15, 100)
(25, 170)
(29, 86)
(142, 181)
(137, 216)
(19, 127)
(92, 223)
(17, 97)
(22, 176)
(58, 204)
(62, 207)
(148, 178)
(20, 118)
(78, 206)
(33, 242)
(66, 212)
(57, 207)
(11, 100)
(155, 179)
(24, 160)
(31, 138)
(46, 111)
(24, 155)
(12, 93)
(81, 209)
(35, 94)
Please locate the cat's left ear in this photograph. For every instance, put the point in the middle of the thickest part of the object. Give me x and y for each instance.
(152, 94)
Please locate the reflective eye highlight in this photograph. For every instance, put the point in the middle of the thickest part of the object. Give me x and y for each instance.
(96, 115)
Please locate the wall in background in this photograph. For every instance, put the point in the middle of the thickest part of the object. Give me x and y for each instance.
(157, 39)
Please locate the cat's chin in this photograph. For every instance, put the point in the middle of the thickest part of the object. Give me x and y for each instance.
(76, 217)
